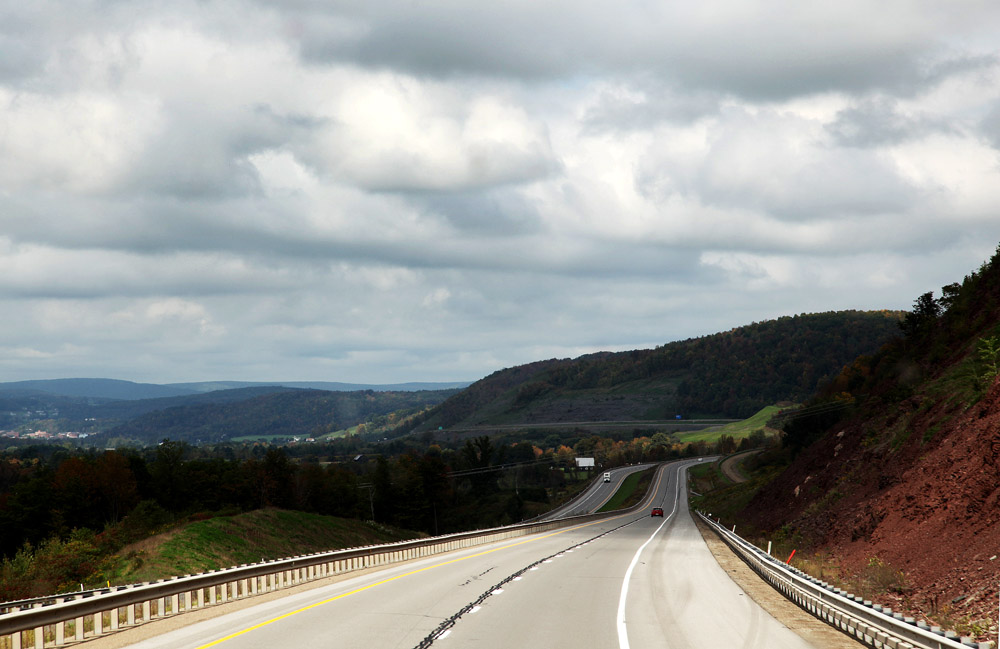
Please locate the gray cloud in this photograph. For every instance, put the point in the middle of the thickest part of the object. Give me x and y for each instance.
(645, 105)
(764, 50)
(878, 122)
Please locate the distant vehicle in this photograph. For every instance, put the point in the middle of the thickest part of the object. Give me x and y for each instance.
(657, 511)
(607, 477)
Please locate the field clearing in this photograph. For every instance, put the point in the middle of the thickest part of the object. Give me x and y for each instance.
(737, 430)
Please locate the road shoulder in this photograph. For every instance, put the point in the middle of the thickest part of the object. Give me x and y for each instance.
(814, 631)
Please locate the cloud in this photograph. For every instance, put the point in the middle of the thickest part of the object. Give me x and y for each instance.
(877, 123)
(764, 49)
(397, 134)
(383, 192)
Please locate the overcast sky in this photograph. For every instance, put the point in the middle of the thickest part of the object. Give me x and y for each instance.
(370, 191)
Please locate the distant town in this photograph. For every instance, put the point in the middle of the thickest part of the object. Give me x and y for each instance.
(42, 434)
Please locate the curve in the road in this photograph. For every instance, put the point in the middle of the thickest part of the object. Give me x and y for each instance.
(622, 630)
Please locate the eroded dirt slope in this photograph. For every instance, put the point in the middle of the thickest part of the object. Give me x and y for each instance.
(918, 490)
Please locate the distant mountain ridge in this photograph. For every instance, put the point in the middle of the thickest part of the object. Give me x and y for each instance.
(96, 388)
(222, 415)
(329, 386)
(99, 388)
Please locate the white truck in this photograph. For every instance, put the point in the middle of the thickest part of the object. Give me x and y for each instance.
(607, 477)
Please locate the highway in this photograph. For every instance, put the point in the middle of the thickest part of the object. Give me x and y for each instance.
(597, 494)
(625, 581)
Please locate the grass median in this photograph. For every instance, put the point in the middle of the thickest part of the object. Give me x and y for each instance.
(633, 489)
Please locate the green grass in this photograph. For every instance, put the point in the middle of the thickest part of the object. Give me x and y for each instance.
(225, 541)
(344, 432)
(737, 430)
(259, 438)
(633, 488)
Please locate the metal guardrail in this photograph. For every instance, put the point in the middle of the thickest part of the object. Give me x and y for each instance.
(54, 621)
(863, 620)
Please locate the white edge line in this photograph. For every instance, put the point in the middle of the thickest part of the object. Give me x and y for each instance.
(622, 632)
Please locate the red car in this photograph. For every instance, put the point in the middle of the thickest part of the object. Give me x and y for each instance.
(657, 511)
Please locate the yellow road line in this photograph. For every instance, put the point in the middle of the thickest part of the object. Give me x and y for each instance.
(406, 574)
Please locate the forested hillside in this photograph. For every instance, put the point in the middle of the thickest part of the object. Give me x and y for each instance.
(901, 481)
(729, 374)
(286, 413)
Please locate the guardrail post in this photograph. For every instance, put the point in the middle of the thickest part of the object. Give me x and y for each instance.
(130, 615)
(15, 640)
(77, 629)
(60, 634)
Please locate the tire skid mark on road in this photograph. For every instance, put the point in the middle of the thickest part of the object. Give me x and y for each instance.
(444, 629)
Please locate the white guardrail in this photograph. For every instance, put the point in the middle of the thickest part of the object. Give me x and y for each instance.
(72, 617)
(859, 618)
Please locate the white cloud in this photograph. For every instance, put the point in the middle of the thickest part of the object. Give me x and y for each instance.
(81, 142)
(395, 133)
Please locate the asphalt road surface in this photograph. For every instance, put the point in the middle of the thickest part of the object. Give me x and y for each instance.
(625, 581)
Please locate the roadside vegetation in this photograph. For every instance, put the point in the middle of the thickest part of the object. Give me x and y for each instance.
(146, 547)
(713, 492)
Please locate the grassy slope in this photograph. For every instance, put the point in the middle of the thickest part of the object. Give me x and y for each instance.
(737, 430)
(226, 541)
(633, 488)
